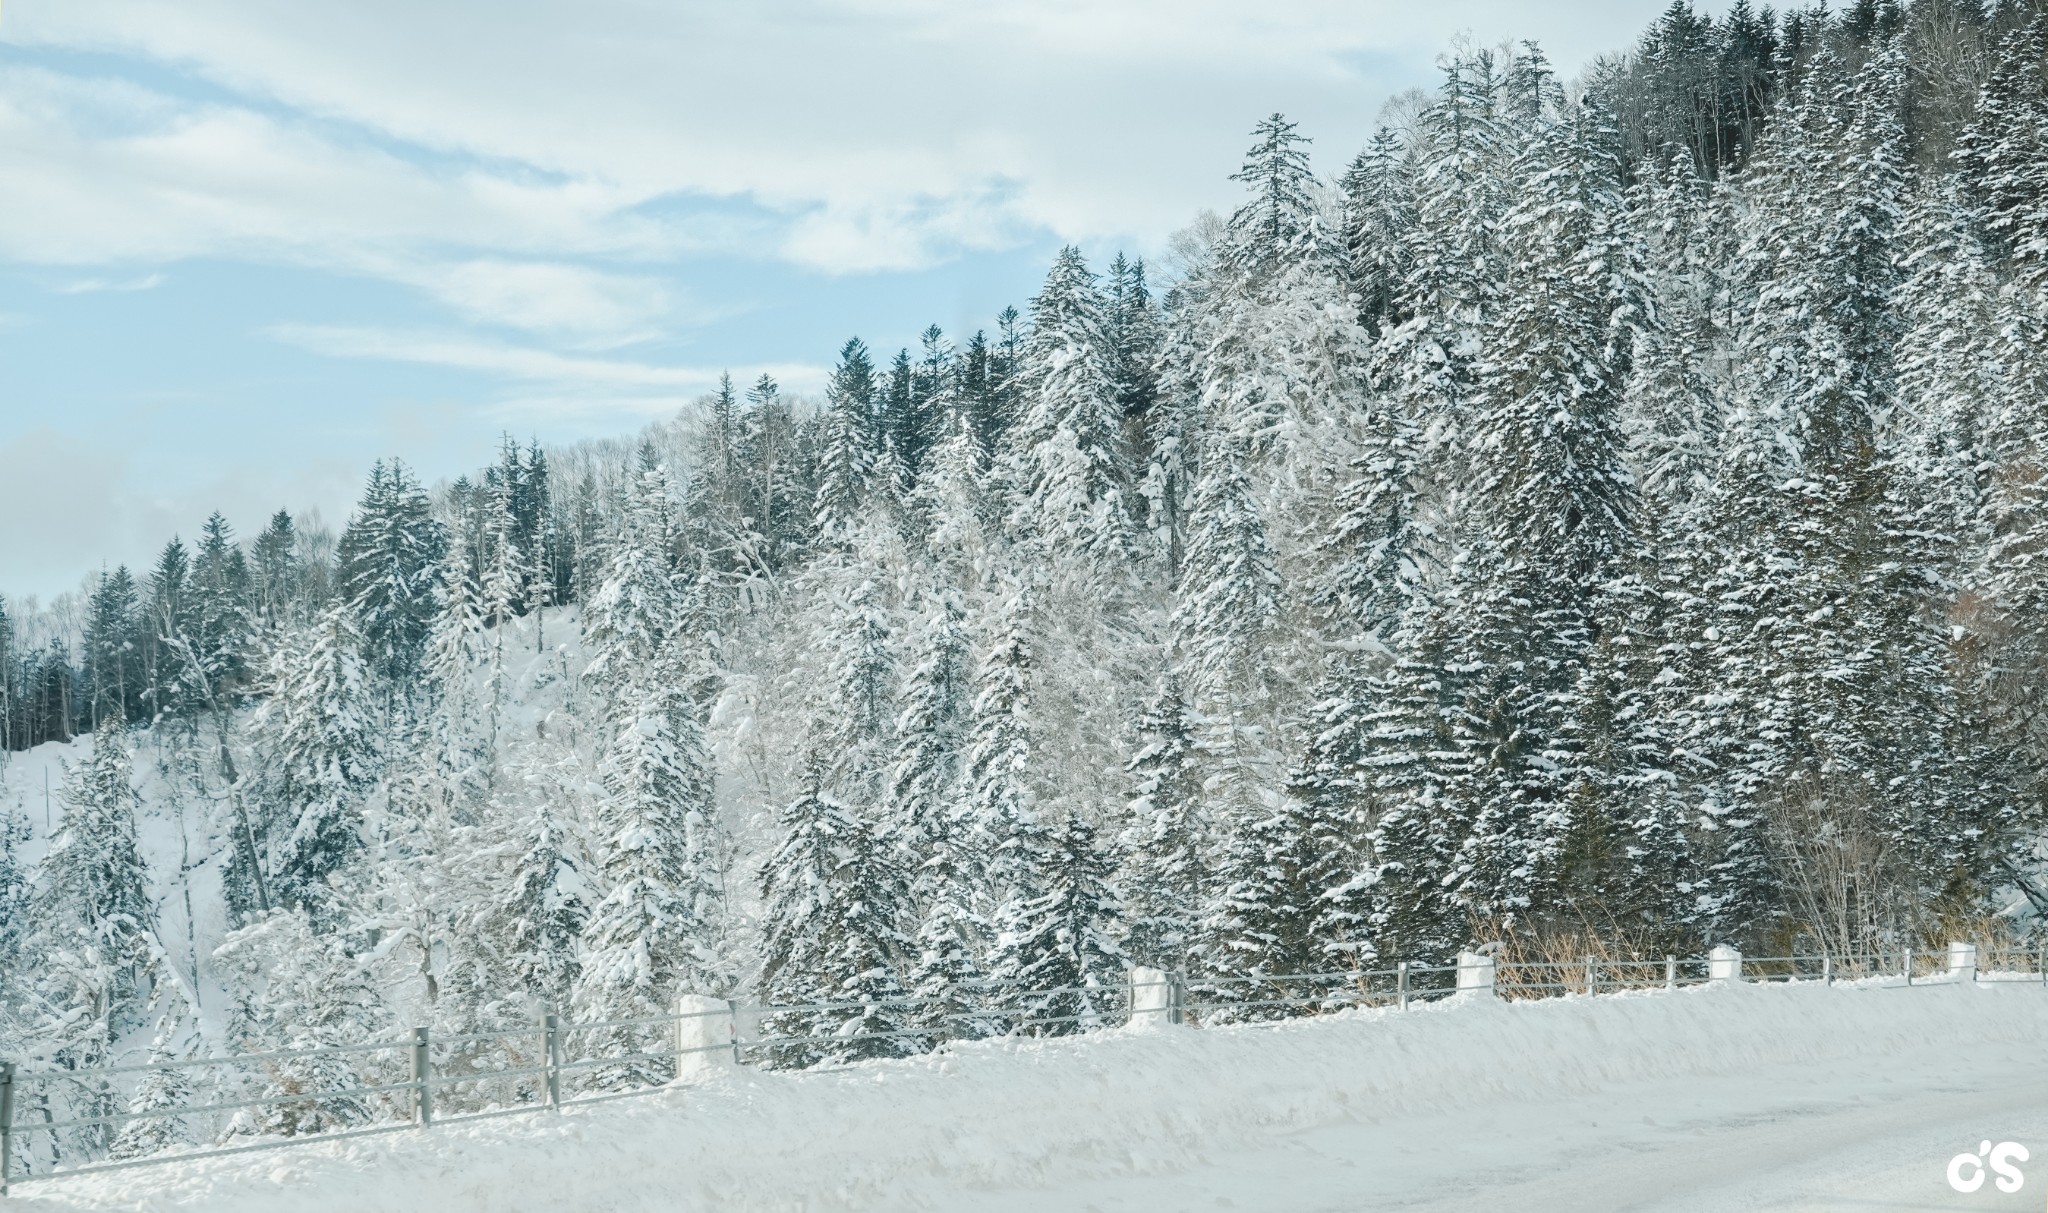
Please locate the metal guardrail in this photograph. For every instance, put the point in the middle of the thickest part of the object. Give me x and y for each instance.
(402, 1077)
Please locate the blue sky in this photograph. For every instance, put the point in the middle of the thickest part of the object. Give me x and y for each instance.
(246, 248)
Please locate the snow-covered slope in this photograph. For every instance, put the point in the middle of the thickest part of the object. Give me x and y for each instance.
(1711, 1098)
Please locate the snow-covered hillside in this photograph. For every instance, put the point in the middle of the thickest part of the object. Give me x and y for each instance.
(1708, 1098)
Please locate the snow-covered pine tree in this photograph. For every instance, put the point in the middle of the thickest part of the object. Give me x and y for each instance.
(656, 933)
(1164, 850)
(388, 559)
(221, 602)
(546, 907)
(113, 652)
(1134, 333)
(1065, 459)
(846, 460)
(1379, 215)
(275, 568)
(92, 920)
(854, 701)
(2004, 155)
(998, 797)
(162, 1094)
(1460, 185)
(927, 815)
(1812, 573)
(951, 507)
(318, 728)
(1058, 949)
(1556, 505)
(1228, 609)
(455, 649)
(835, 897)
(931, 725)
(638, 604)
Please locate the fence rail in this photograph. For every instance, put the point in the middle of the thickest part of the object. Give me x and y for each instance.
(57, 1122)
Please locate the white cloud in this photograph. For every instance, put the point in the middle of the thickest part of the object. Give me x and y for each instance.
(886, 132)
(92, 286)
(182, 179)
(523, 363)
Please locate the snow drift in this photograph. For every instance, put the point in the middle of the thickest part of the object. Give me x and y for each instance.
(957, 1129)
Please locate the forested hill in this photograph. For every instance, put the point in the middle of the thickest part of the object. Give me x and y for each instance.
(1608, 516)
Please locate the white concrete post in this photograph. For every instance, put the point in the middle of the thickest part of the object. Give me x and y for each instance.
(1475, 974)
(1724, 964)
(705, 1030)
(1151, 999)
(1962, 961)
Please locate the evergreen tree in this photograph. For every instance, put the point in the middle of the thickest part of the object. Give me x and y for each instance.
(94, 921)
(388, 558)
(318, 728)
(846, 462)
(1065, 458)
(1059, 947)
(548, 906)
(655, 933)
(1164, 852)
(276, 570)
(834, 898)
(113, 649)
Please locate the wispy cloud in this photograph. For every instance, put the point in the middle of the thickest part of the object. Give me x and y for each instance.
(525, 363)
(94, 286)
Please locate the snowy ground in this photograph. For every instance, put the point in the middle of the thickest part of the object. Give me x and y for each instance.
(1710, 1099)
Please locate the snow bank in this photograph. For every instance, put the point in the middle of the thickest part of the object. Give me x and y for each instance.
(936, 1132)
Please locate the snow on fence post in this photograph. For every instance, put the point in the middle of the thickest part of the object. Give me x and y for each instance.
(1475, 974)
(1152, 999)
(551, 1052)
(706, 1035)
(1401, 978)
(6, 1121)
(422, 1070)
(746, 1022)
(1724, 964)
(1670, 971)
(1962, 961)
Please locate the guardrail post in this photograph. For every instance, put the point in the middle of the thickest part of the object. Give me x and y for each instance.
(1475, 973)
(1592, 976)
(1670, 971)
(6, 1121)
(732, 1027)
(1827, 969)
(1908, 964)
(1724, 964)
(422, 1069)
(551, 1040)
(705, 1034)
(1401, 983)
(1151, 999)
(1176, 999)
(1962, 961)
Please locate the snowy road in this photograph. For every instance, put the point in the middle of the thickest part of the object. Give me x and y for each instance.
(1843, 1134)
(1703, 1100)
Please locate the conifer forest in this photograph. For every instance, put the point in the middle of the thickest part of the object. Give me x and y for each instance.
(1607, 516)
